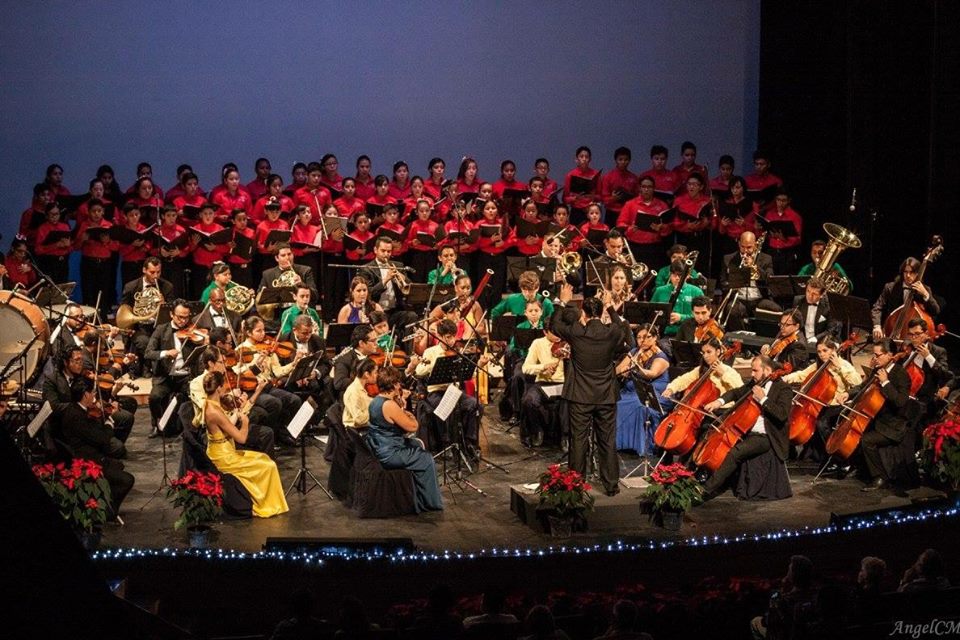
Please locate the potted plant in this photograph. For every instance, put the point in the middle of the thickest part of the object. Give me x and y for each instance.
(200, 497)
(564, 497)
(81, 494)
(940, 457)
(673, 489)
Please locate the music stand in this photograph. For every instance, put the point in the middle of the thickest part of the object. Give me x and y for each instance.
(56, 294)
(303, 368)
(338, 335)
(645, 312)
(161, 427)
(738, 278)
(851, 312)
(648, 398)
(544, 267)
(523, 338)
(504, 327)
(296, 429)
(784, 287)
(420, 294)
(686, 355)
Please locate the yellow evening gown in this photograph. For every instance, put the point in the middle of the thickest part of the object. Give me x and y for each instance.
(255, 470)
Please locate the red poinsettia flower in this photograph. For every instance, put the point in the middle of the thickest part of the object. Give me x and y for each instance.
(92, 504)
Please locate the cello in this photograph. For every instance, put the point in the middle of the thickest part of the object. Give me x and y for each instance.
(915, 371)
(816, 392)
(677, 433)
(713, 450)
(895, 326)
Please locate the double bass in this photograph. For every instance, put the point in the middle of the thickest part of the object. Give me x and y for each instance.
(816, 392)
(713, 450)
(677, 433)
(895, 326)
(914, 371)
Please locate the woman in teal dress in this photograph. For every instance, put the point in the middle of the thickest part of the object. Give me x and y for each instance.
(390, 437)
(636, 423)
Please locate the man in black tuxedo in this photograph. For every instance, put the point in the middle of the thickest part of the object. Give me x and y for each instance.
(795, 353)
(363, 342)
(702, 308)
(894, 293)
(169, 356)
(67, 334)
(890, 424)
(150, 280)
(932, 361)
(91, 439)
(382, 275)
(590, 382)
(749, 297)
(217, 315)
(304, 338)
(285, 263)
(814, 309)
(770, 430)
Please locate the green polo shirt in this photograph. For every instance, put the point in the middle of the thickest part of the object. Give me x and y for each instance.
(683, 306)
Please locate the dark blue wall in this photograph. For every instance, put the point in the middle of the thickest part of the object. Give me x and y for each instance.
(209, 82)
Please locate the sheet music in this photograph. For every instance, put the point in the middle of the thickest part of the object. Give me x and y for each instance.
(448, 402)
(162, 423)
(300, 419)
(552, 390)
(39, 419)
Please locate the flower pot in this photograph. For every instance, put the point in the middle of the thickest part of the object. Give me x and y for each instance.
(560, 526)
(671, 520)
(199, 536)
(90, 539)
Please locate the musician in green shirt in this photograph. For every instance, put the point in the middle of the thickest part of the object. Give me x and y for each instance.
(816, 252)
(516, 303)
(683, 307)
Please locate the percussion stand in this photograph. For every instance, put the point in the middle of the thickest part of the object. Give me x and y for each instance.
(50, 282)
(20, 368)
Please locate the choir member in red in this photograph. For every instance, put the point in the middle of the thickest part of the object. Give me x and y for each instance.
(349, 204)
(305, 232)
(331, 178)
(313, 194)
(257, 187)
(133, 254)
(144, 170)
(720, 186)
(391, 217)
(541, 169)
(231, 197)
(443, 207)
(417, 193)
(561, 218)
(96, 192)
(380, 199)
(647, 246)
(274, 190)
(694, 216)
(421, 256)
(173, 258)
(52, 255)
(485, 194)
(271, 223)
(298, 179)
(528, 245)
(619, 185)
(536, 186)
(54, 180)
(783, 248)
(98, 273)
(333, 281)
(32, 218)
(578, 200)
(361, 233)
(112, 190)
(433, 185)
(364, 179)
(593, 223)
(241, 267)
(511, 204)
(192, 197)
(224, 170)
(666, 182)
(467, 179)
(19, 269)
(737, 214)
(490, 252)
(177, 190)
(688, 166)
(459, 224)
(204, 253)
(400, 185)
(148, 201)
(761, 181)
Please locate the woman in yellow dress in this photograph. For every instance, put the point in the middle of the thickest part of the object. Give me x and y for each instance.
(255, 470)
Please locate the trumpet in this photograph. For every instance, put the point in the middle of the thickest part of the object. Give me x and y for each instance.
(402, 282)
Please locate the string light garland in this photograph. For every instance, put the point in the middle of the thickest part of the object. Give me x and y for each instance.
(320, 557)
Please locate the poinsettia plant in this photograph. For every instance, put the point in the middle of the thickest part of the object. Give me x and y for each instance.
(673, 487)
(199, 495)
(79, 490)
(941, 452)
(565, 492)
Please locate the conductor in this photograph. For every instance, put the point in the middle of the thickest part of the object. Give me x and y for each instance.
(590, 385)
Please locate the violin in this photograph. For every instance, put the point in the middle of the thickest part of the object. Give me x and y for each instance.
(194, 334)
(269, 344)
(560, 350)
(100, 411)
(782, 343)
(710, 329)
(106, 382)
(677, 433)
(713, 450)
(246, 381)
(399, 359)
(817, 391)
(115, 356)
(372, 389)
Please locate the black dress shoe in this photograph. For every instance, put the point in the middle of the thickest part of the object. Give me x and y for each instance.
(612, 492)
(565, 445)
(154, 433)
(538, 439)
(877, 483)
(526, 443)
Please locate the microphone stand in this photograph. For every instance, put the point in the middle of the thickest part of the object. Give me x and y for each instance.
(49, 281)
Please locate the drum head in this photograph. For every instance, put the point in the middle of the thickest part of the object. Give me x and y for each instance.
(20, 323)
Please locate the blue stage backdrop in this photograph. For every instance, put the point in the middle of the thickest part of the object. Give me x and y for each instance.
(207, 83)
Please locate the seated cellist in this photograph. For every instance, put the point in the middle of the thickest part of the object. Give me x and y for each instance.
(889, 426)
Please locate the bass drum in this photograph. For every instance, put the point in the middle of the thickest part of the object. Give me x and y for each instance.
(22, 322)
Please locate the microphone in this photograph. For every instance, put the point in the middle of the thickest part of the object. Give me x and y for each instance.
(853, 200)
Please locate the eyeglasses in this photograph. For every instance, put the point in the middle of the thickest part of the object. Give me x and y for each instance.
(915, 333)
(179, 317)
(787, 324)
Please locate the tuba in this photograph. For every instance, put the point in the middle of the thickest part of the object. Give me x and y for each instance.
(146, 305)
(840, 239)
(239, 299)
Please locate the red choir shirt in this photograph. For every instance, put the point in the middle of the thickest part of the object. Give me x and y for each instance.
(170, 234)
(303, 233)
(259, 212)
(395, 190)
(748, 211)
(355, 256)
(419, 226)
(689, 210)
(217, 189)
(664, 181)
(575, 199)
(317, 199)
(187, 201)
(463, 187)
(618, 180)
(201, 255)
(382, 200)
(58, 191)
(637, 207)
(51, 249)
(335, 185)
(349, 207)
(130, 253)
(230, 201)
(399, 246)
(177, 191)
(92, 248)
(550, 187)
(432, 189)
(27, 277)
(587, 227)
(683, 173)
(256, 189)
(365, 189)
(525, 248)
(83, 211)
(410, 207)
(246, 232)
(263, 230)
(500, 186)
(157, 191)
(757, 182)
(153, 201)
(486, 245)
(30, 221)
(790, 215)
(719, 186)
(293, 187)
(463, 226)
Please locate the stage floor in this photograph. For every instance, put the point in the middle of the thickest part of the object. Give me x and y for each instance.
(472, 521)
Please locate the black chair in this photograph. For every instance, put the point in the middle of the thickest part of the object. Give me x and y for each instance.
(339, 453)
(378, 492)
